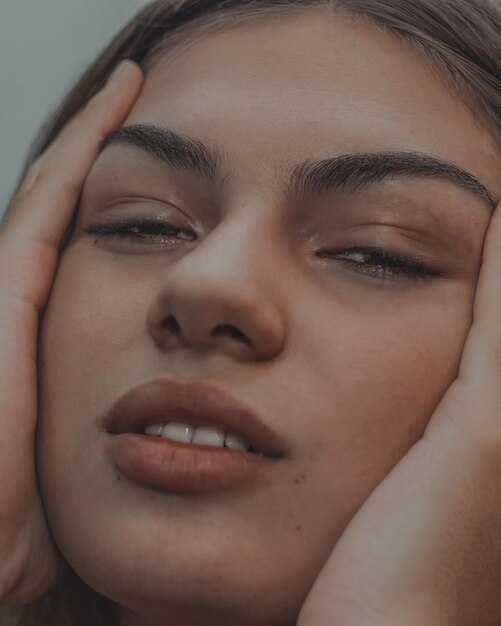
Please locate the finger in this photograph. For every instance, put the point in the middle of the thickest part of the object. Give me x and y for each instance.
(29, 179)
(482, 351)
(60, 172)
(41, 212)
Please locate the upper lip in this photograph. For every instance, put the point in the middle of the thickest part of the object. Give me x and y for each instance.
(165, 399)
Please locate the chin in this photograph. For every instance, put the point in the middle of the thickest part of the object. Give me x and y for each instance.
(202, 579)
(191, 586)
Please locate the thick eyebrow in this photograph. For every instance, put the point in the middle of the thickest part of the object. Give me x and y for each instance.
(347, 171)
(358, 171)
(179, 151)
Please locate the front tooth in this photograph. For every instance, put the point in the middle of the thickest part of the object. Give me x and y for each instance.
(177, 431)
(209, 436)
(155, 430)
(234, 441)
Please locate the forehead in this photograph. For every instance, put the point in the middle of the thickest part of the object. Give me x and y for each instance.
(277, 89)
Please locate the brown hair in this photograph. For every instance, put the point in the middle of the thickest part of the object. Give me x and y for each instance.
(460, 38)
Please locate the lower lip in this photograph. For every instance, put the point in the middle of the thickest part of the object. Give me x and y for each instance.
(180, 467)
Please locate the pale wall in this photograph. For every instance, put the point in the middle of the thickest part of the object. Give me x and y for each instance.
(44, 47)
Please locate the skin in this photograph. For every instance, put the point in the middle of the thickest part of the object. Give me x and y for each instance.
(357, 363)
(30, 236)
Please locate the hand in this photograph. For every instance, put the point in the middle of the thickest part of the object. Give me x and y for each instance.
(29, 246)
(425, 547)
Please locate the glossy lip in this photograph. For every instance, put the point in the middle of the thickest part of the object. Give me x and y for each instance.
(165, 399)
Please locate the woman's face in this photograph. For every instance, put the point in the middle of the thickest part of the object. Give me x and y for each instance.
(335, 303)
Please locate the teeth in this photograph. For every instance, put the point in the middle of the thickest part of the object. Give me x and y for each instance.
(209, 436)
(201, 435)
(178, 432)
(234, 441)
(155, 430)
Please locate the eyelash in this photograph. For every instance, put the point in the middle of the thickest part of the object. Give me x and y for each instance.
(123, 230)
(383, 264)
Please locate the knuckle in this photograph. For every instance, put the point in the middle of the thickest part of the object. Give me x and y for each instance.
(15, 207)
(32, 171)
(29, 179)
(44, 173)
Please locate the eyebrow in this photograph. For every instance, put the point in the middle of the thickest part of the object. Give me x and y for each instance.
(352, 172)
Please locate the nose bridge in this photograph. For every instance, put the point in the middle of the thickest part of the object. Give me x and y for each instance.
(221, 294)
(237, 247)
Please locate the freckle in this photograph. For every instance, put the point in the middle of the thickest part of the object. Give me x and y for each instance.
(298, 528)
(119, 477)
(296, 481)
(303, 476)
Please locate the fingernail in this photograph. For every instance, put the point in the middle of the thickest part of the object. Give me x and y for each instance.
(117, 74)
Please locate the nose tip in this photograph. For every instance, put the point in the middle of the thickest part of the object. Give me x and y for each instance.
(221, 295)
(242, 326)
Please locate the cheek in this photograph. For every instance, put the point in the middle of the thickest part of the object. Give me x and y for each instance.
(354, 391)
(92, 331)
(91, 321)
(379, 372)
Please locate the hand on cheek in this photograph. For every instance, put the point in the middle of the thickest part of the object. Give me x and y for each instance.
(425, 548)
(29, 245)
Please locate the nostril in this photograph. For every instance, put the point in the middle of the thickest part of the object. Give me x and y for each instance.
(171, 325)
(230, 331)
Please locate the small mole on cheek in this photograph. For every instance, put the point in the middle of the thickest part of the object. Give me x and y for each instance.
(299, 479)
(298, 528)
(119, 477)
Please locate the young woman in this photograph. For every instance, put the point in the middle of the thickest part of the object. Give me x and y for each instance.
(262, 265)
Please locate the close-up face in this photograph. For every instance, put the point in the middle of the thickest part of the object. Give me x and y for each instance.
(316, 260)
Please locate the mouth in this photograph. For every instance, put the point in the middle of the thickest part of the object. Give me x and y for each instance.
(189, 432)
(188, 437)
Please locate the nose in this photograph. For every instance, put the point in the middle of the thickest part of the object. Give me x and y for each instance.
(221, 296)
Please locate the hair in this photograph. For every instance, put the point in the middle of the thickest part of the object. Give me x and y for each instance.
(461, 40)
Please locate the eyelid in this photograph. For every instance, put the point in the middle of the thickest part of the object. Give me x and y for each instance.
(116, 203)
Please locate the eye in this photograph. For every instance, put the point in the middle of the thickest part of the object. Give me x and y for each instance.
(142, 231)
(382, 264)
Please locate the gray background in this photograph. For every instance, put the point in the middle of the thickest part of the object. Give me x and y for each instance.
(44, 46)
